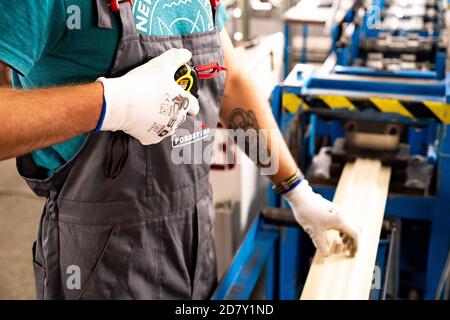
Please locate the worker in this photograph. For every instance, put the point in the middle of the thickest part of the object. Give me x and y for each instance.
(93, 132)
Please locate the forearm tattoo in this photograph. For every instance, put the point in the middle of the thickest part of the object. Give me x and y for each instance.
(249, 136)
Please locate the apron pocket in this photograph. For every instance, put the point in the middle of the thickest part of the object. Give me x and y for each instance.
(116, 155)
(177, 244)
(112, 262)
(108, 170)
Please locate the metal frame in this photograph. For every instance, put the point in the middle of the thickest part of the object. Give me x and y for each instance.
(346, 55)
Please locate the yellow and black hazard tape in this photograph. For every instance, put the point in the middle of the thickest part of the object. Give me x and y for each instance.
(410, 109)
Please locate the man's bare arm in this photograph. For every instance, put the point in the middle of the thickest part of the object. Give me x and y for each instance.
(35, 119)
(242, 99)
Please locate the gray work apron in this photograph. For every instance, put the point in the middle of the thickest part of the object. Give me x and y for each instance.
(121, 220)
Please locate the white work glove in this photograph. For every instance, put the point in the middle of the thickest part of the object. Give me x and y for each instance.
(147, 103)
(317, 215)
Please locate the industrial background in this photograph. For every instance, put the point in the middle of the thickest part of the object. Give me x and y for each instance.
(346, 79)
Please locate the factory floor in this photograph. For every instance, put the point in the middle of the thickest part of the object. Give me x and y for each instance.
(19, 217)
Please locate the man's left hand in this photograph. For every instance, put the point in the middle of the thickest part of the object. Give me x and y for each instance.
(317, 215)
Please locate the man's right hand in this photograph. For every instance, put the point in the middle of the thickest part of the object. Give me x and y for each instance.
(147, 103)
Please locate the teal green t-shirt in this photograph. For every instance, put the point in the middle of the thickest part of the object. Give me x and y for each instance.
(57, 42)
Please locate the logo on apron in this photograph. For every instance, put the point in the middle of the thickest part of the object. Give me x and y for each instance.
(201, 133)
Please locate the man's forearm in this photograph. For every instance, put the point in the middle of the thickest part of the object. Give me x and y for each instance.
(35, 119)
(242, 100)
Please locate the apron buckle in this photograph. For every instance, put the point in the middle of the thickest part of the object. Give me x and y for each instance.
(215, 3)
(115, 4)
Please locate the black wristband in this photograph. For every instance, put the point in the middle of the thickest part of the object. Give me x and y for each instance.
(289, 184)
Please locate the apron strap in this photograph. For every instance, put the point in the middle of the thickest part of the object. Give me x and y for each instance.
(106, 10)
(127, 18)
(105, 15)
(215, 6)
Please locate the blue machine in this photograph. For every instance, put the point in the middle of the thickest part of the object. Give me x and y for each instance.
(372, 33)
(357, 91)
